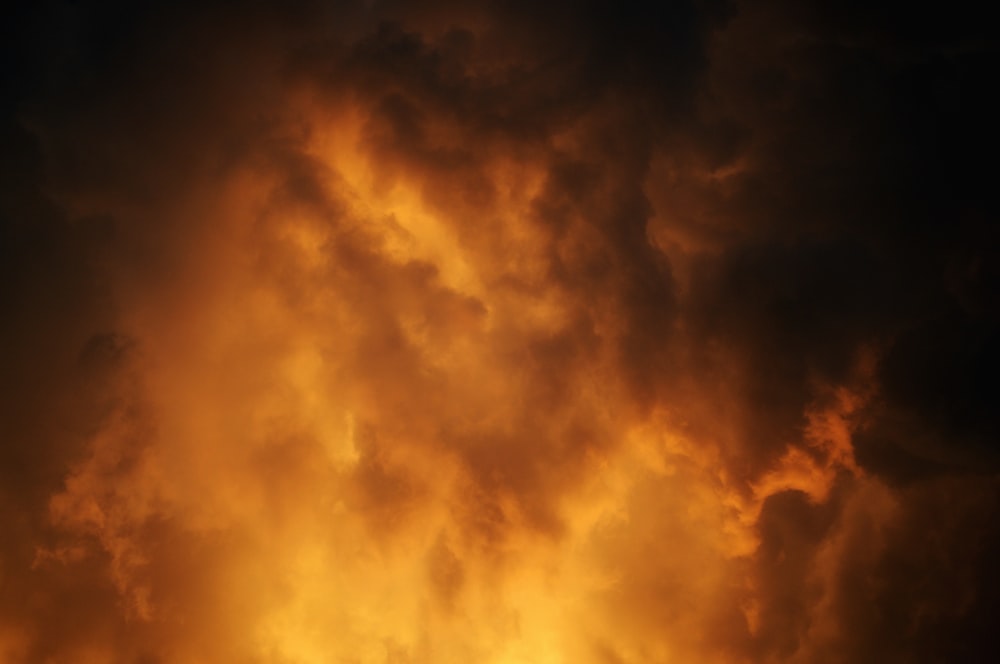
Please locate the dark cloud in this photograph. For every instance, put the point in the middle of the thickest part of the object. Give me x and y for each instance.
(672, 325)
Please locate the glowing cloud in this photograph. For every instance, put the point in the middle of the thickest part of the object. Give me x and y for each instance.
(404, 332)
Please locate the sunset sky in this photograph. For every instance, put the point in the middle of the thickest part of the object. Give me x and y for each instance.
(499, 332)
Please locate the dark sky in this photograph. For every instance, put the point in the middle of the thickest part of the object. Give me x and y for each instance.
(500, 332)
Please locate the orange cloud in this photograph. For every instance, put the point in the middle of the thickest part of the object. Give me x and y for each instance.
(399, 344)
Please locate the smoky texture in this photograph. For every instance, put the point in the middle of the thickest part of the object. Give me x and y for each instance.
(497, 332)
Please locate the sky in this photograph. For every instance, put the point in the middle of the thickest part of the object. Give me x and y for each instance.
(498, 332)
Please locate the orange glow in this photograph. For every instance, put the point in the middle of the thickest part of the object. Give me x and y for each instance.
(333, 406)
(333, 414)
(463, 363)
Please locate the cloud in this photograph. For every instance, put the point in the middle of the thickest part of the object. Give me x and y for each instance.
(433, 332)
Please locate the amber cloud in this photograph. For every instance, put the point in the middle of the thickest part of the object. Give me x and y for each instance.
(489, 333)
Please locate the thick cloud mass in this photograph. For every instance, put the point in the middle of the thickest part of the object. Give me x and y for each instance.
(448, 332)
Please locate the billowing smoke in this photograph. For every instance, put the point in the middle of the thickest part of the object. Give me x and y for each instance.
(433, 332)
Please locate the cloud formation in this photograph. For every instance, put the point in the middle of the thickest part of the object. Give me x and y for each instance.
(488, 332)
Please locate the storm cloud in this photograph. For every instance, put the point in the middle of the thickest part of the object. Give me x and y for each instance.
(497, 332)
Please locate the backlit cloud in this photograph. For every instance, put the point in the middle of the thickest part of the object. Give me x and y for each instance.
(448, 332)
